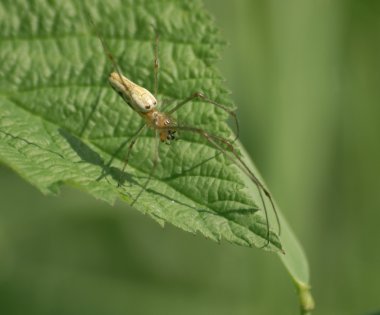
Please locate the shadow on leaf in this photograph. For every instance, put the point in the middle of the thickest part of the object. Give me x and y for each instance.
(88, 155)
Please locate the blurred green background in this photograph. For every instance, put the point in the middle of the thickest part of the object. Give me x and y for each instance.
(306, 78)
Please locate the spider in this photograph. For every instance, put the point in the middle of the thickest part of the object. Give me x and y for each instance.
(165, 126)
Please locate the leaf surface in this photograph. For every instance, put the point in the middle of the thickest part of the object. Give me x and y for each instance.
(61, 123)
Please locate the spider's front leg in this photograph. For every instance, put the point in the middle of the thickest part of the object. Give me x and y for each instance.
(226, 147)
(130, 146)
(201, 96)
(153, 169)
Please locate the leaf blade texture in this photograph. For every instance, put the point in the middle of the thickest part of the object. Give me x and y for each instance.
(60, 122)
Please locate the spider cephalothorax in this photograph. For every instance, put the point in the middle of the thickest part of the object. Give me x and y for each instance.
(164, 123)
(167, 134)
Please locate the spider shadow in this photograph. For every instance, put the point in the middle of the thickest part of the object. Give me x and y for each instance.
(88, 155)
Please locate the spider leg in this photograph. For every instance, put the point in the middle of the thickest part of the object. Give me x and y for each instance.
(106, 167)
(132, 142)
(260, 186)
(166, 102)
(107, 51)
(218, 143)
(156, 63)
(151, 173)
(255, 179)
(201, 96)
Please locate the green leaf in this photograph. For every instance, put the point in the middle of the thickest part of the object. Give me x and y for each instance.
(60, 122)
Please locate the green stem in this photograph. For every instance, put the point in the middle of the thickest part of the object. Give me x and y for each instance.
(305, 298)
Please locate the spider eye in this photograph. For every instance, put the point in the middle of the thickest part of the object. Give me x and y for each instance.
(147, 106)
